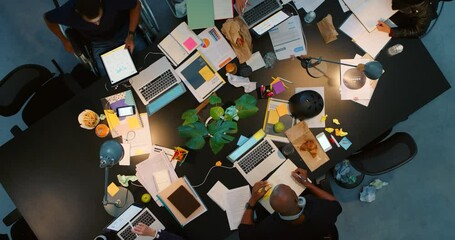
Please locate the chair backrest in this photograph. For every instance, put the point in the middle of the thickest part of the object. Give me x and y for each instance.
(19, 85)
(387, 155)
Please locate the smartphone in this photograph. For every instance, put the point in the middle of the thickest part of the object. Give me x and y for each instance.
(125, 111)
(324, 141)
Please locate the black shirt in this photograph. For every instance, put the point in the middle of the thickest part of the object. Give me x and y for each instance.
(320, 216)
(115, 16)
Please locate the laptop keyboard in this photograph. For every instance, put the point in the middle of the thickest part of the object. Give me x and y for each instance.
(256, 156)
(158, 85)
(144, 217)
(259, 11)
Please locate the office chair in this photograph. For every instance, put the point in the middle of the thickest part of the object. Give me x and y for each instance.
(35, 87)
(19, 227)
(148, 27)
(437, 6)
(385, 156)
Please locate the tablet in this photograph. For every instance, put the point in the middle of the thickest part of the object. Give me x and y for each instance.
(119, 64)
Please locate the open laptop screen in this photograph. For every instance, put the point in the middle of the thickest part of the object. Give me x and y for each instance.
(124, 218)
(119, 64)
(270, 22)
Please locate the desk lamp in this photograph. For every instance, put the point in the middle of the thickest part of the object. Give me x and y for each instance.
(372, 70)
(111, 152)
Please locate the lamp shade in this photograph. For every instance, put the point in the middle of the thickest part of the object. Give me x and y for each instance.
(373, 70)
(111, 152)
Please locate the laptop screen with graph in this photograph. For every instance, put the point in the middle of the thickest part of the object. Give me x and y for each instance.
(119, 64)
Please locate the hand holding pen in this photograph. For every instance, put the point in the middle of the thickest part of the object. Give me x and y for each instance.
(383, 27)
(301, 176)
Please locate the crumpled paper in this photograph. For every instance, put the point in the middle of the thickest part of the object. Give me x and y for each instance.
(123, 179)
(237, 33)
(368, 193)
(238, 81)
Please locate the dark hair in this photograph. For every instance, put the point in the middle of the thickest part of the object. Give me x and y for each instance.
(88, 8)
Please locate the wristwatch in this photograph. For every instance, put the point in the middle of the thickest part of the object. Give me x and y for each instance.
(131, 33)
(248, 206)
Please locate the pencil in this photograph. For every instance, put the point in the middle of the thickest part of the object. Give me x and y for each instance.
(284, 80)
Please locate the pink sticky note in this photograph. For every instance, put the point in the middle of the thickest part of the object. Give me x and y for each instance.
(278, 87)
(190, 44)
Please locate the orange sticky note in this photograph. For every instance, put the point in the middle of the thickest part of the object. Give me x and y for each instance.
(206, 73)
(112, 189)
(282, 110)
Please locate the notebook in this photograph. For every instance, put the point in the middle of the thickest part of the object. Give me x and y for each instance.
(179, 44)
(184, 201)
(256, 158)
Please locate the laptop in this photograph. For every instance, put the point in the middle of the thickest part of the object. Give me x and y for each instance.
(155, 80)
(263, 15)
(119, 65)
(256, 158)
(131, 217)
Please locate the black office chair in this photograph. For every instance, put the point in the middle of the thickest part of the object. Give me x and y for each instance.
(19, 227)
(385, 156)
(35, 84)
(148, 28)
(437, 6)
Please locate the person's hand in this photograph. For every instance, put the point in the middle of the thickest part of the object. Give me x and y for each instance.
(241, 5)
(301, 176)
(68, 46)
(129, 42)
(259, 189)
(383, 27)
(143, 230)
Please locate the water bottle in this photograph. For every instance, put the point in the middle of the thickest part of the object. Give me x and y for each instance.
(395, 49)
(309, 17)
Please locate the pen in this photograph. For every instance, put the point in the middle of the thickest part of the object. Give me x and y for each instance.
(131, 225)
(334, 140)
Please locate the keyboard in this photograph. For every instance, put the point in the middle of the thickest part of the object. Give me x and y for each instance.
(144, 217)
(259, 11)
(256, 156)
(158, 85)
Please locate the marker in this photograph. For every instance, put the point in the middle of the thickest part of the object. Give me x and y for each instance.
(334, 140)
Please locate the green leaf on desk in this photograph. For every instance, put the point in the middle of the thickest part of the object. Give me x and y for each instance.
(214, 100)
(216, 112)
(193, 130)
(246, 105)
(196, 143)
(190, 116)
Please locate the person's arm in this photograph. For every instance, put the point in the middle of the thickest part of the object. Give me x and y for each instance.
(135, 17)
(256, 194)
(55, 28)
(300, 175)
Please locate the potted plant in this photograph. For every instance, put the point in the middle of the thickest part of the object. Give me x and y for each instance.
(219, 125)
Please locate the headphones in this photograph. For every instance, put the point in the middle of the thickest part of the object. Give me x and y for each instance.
(301, 202)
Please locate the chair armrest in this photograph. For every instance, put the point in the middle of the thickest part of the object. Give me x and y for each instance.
(77, 41)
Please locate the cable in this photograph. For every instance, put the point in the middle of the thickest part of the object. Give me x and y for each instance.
(157, 53)
(206, 176)
(137, 185)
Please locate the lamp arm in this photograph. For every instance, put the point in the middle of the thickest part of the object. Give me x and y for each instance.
(106, 175)
(330, 61)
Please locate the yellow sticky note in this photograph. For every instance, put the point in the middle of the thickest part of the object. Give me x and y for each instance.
(112, 189)
(340, 133)
(282, 110)
(329, 130)
(323, 118)
(336, 121)
(139, 151)
(206, 73)
(111, 118)
(259, 134)
(133, 122)
(273, 117)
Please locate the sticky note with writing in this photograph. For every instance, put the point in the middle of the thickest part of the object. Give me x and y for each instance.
(206, 73)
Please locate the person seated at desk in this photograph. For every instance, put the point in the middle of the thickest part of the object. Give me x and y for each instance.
(144, 230)
(413, 18)
(309, 217)
(107, 24)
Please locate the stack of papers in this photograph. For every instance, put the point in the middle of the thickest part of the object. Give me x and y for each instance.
(287, 38)
(370, 11)
(140, 139)
(215, 48)
(154, 172)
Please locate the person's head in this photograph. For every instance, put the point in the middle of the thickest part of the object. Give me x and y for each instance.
(90, 10)
(284, 200)
(401, 4)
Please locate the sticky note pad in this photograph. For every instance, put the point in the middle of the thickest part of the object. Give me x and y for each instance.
(259, 134)
(345, 143)
(278, 87)
(133, 122)
(189, 44)
(112, 189)
(273, 117)
(282, 109)
(206, 73)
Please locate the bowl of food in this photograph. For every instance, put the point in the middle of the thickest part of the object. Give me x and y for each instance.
(88, 119)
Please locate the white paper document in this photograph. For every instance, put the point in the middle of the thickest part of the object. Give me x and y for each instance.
(223, 9)
(216, 193)
(287, 38)
(282, 176)
(256, 61)
(308, 5)
(343, 6)
(126, 155)
(354, 84)
(235, 200)
(140, 139)
(215, 48)
(370, 11)
(373, 83)
(314, 122)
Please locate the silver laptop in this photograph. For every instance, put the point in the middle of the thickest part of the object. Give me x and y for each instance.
(263, 15)
(131, 217)
(256, 158)
(155, 80)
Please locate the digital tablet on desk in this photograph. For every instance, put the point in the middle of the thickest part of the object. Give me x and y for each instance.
(119, 65)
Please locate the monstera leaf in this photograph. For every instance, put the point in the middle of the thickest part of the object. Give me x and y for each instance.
(190, 116)
(216, 112)
(219, 131)
(195, 132)
(246, 105)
